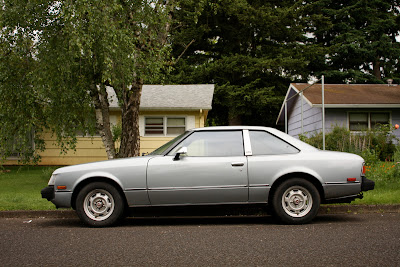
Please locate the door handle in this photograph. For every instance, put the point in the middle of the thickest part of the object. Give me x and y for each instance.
(237, 164)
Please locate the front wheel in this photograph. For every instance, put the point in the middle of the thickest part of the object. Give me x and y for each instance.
(296, 201)
(99, 204)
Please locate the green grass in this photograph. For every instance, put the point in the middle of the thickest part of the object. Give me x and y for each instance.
(387, 184)
(20, 187)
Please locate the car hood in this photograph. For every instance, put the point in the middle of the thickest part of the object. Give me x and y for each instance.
(100, 165)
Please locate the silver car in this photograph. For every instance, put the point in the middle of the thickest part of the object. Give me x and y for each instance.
(209, 166)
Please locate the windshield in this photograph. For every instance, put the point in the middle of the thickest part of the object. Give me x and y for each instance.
(163, 148)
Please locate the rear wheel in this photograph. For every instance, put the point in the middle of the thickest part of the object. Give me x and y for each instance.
(99, 204)
(295, 201)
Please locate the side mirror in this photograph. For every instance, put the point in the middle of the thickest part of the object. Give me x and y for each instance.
(181, 151)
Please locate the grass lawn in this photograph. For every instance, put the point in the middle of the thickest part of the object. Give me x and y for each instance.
(20, 187)
(387, 184)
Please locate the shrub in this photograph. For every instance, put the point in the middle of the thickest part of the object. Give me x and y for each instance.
(372, 145)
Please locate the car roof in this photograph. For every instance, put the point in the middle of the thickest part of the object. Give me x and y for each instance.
(241, 127)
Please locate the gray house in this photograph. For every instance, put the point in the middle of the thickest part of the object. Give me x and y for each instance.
(355, 106)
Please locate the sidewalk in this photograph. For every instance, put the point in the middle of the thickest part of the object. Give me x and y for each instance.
(324, 209)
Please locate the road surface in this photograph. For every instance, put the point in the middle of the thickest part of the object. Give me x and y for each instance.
(331, 240)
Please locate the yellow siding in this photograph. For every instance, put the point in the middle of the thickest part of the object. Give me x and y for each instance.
(149, 144)
(89, 149)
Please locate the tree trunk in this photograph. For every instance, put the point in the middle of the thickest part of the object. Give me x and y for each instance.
(100, 98)
(377, 69)
(234, 119)
(130, 138)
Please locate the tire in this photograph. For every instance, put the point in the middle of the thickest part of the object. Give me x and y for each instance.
(295, 201)
(99, 204)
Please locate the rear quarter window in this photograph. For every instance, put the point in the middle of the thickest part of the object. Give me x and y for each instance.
(264, 143)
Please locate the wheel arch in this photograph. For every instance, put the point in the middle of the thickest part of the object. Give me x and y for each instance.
(89, 180)
(302, 175)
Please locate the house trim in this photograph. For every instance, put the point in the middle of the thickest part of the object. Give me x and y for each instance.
(291, 98)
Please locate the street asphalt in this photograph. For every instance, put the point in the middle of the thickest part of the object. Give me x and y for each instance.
(324, 209)
(346, 239)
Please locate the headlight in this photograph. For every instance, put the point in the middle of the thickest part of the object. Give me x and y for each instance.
(52, 180)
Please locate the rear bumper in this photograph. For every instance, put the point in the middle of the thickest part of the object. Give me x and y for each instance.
(347, 192)
(367, 184)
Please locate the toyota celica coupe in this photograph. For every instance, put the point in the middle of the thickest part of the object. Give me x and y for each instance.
(214, 166)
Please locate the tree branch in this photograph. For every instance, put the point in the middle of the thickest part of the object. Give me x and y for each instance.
(191, 42)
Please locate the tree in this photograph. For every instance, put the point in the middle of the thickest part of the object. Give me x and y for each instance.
(359, 38)
(251, 50)
(58, 58)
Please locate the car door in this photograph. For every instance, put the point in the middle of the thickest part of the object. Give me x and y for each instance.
(214, 170)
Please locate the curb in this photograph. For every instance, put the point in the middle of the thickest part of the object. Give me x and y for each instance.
(38, 214)
(324, 209)
(340, 209)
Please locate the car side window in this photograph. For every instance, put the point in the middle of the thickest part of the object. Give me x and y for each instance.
(212, 144)
(264, 143)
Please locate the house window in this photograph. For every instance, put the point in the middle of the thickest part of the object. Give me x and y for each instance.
(175, 126)
(379, 119)
(367, 120)
(154, 126)
(14, 145)
(164, 126)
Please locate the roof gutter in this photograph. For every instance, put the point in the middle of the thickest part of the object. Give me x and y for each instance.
(166, 108)
(357, 105)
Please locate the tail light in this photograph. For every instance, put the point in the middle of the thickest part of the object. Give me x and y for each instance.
(363, 169)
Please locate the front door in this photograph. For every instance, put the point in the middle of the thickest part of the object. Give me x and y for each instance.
(214, 170)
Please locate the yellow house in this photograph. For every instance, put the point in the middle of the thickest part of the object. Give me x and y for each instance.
(165, 112)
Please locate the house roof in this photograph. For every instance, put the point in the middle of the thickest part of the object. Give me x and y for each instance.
(172, 97)
(343, 96)
(351, 93)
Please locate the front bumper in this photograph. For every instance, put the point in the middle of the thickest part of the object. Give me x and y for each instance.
(367, 184)
(60, 199)
(48, 192)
